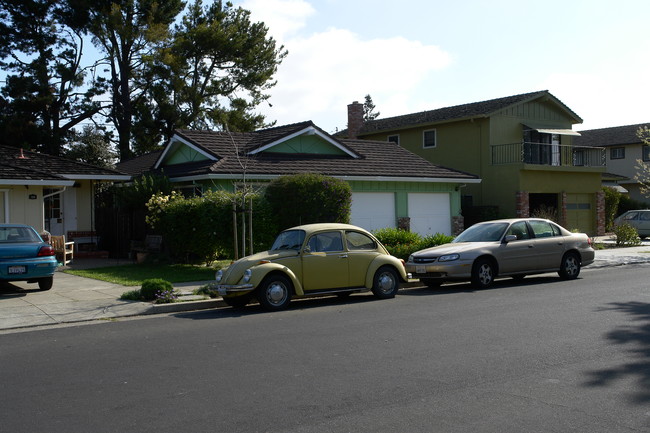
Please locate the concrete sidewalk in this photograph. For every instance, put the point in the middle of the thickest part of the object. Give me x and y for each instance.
(78, 299)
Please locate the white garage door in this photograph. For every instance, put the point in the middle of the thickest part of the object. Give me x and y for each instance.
(373, 210)
(430, 213)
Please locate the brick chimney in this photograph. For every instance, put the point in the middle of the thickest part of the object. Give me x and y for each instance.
(355, 119)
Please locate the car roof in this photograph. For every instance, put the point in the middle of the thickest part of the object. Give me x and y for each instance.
(512, 220)
(4, 225)
(327, 226)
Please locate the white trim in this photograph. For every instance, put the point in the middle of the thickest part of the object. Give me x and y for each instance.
(366, 178)
(97, 177)
(310, 130)
(50, 182)
(187, 143)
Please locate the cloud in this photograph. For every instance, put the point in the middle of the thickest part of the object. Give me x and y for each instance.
(325, 71)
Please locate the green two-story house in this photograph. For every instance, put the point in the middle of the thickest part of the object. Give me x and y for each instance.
(520, 146)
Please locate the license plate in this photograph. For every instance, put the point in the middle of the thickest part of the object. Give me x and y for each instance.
(420, 270)
(221, 290)
(13, 270)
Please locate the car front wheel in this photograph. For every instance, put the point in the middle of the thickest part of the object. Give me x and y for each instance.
(274, 293)
(483, 273)
(570, 267)
(45, 283)
(386, 283)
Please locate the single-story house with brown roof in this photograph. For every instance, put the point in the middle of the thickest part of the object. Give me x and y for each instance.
(391, 186)
(48, 192)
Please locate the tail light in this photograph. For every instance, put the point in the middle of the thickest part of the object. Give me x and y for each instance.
(46, 251)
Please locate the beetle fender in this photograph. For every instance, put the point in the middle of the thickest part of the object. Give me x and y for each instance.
(261, 271)
(383, 260)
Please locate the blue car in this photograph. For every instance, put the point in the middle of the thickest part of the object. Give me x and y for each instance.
(25, 257)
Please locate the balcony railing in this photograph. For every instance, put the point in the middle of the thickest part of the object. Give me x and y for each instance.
(548, 154)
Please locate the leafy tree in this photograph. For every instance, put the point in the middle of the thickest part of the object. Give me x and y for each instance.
(127, 32)
(91, 146)
(643, 168)
(213, 72)
(46, 92)
(612, 198)
(369, 109)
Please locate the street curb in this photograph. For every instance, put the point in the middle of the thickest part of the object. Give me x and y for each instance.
(177, 307)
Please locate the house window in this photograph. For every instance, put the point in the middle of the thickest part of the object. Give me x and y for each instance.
(617, 153)
(393, 139)
(429, 138)
(645, 150)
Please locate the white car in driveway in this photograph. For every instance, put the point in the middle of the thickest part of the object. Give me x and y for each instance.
(639, 219)
(503, 248)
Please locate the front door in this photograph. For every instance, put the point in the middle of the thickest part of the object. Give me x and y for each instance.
(325, 262)
(53, 204)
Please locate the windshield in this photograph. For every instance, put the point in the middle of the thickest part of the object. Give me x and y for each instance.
(289, 240)
(487, 232)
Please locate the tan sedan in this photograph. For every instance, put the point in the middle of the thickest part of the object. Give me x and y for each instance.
(503, 248)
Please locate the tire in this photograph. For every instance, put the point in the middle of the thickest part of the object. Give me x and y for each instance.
(483, 273)
(237, 301)
(274, 294)
(386, 283)
(45, 283)
(570, 267)
(432, 283)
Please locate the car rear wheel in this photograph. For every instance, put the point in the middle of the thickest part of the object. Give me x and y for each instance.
(386, 283)
(570, 267)
(274, 293)
(45, 283)
(483, 273)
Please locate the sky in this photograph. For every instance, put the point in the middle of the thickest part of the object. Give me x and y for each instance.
(417, 55)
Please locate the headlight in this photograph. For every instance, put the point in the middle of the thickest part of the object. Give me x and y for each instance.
(247, 275)
(448, 257)
(219, 275)
(410, 260)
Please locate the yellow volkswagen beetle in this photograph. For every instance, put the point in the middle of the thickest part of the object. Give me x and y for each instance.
(312, 259)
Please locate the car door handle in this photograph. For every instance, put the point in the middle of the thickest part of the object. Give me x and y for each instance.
(343, 256)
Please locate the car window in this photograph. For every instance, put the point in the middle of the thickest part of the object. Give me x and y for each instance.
(630, 216)
(485, 232)
(289, 240)
(359, 241)
(18, 234)
(542, 229)
(645, 216)
(519, 229)
(325, 242)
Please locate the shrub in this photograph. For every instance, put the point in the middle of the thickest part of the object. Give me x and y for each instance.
(626, 203)
(166, 296)
(154, 286)
(309, 198)
(131, 295)
(401, 243)
(626, 235)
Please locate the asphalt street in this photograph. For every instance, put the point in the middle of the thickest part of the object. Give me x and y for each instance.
(544, 355)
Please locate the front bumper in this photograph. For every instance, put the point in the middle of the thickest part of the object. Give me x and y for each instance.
(446, 270)
(232, 289)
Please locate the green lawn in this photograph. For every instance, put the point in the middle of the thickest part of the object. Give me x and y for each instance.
(135, 274)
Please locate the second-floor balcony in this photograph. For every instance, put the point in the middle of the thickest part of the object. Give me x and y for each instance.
(548, 154)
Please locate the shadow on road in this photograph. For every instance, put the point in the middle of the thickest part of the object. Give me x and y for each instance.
(636, 339)
(464, 287)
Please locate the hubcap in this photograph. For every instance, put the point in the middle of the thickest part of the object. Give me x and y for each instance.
(571, 266)
(386, 282)
(276, 292)
(485, 274)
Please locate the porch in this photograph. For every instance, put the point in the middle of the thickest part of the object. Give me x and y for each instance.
(547, 154)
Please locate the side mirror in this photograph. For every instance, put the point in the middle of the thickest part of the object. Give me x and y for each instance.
(509, 238)
(306, 250)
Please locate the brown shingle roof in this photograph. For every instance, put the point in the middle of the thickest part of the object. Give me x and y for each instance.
(373, 158)
(615, 136)
(28, 165)
(457, 112)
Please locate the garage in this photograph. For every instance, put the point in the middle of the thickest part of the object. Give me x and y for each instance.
(579, 213)
(430, 213)
(373, 210)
